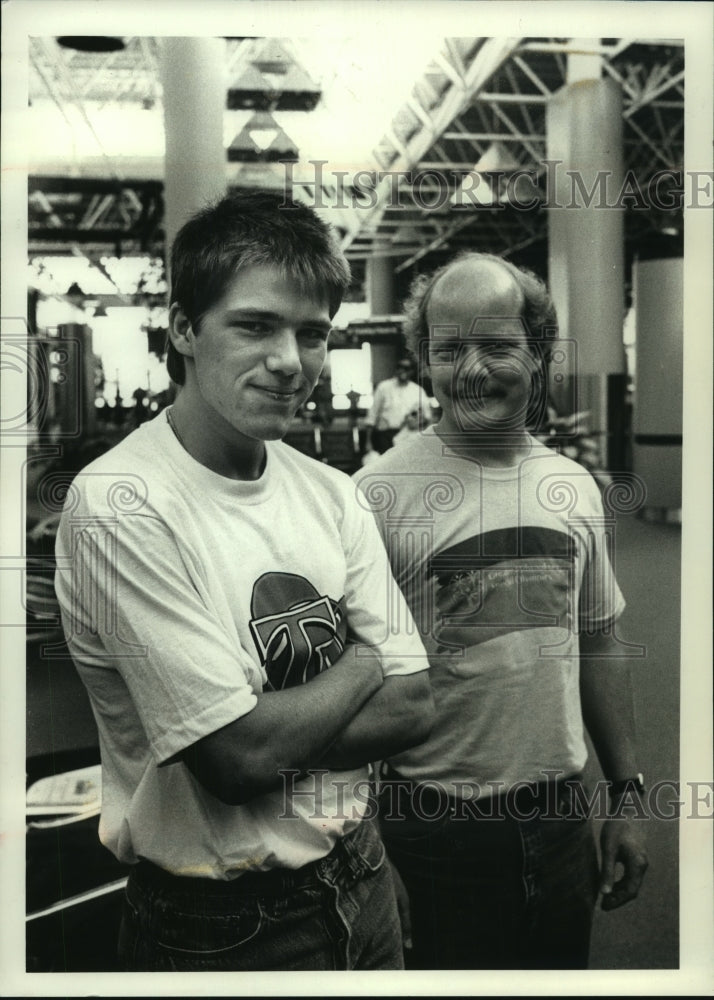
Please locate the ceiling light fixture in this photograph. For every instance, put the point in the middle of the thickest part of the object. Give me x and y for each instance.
(91, 43)
(496, 159)
(262, 140)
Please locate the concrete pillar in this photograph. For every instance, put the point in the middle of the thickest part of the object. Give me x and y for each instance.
(657, 416)
(74, 400)
(380, 285)
(384, 360)
(586, 249)
(193, 78)
(380, 296)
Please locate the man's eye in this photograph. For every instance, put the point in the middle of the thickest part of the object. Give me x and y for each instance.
(253, 326)
(444, 351)
(317, 335)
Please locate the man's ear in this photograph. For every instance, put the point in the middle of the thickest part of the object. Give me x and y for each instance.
(181, 331)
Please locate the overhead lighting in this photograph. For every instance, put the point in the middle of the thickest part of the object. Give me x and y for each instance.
(262, 140)
(91, 43)
(496, 159)
(263, 130)
(478, 188)
(273, 81)
(475, 189)
(251, 90)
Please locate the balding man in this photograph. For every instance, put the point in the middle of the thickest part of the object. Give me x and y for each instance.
(498, 545)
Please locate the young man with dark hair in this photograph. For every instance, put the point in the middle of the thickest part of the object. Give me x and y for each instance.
(499, 545)
(225, 601)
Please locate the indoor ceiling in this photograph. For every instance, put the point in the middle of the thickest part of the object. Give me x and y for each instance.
(450, 105)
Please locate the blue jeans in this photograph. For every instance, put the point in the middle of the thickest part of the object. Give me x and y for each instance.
(337, 913)
(494, 893)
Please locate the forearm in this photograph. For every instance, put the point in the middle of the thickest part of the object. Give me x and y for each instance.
(608, 711)
(399, 715)
(287, 730)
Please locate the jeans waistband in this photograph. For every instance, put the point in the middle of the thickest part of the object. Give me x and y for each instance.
(275, 881)
(523, 801)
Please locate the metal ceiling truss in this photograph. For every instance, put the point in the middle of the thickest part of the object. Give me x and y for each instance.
(95, 213)
(477, 92)
(129, 75)
(497, 92)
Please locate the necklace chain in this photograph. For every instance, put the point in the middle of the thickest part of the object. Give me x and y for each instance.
(174, 428)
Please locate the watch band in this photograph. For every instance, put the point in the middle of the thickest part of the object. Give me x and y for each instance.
(634, 784)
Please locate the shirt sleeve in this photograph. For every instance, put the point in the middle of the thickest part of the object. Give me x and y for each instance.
(377, 613)
(600, 600)
(131, 603)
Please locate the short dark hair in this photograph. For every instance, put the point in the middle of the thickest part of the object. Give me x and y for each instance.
(538, 315)
(245, 229)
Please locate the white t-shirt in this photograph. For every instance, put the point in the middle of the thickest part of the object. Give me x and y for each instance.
(177, 585)
(501, 567)
(393, 400)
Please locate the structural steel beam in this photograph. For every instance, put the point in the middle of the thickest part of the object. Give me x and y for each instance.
(487, 60)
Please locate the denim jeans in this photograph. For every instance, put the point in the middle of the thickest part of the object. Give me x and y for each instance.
(337, 913)
(494, 893)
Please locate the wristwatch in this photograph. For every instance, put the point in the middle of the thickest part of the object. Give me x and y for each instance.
(633, 784)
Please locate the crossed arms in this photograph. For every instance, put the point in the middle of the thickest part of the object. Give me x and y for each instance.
(342, 718)
(184, 667)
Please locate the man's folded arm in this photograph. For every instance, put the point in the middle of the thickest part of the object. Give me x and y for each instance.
(289, 729)
(398, 716)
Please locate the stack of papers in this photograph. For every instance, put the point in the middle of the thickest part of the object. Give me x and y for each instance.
(71, 793)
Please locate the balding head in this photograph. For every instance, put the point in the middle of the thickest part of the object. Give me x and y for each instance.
(484, 285)
(473, 295)
(477, 289)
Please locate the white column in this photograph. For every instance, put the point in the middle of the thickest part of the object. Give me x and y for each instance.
(380, 285)
(193, 78)
(657, 417)
(586, 245)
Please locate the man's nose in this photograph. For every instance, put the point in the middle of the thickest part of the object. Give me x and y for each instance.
(284, 353)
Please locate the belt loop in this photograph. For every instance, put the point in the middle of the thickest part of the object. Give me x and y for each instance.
(348, 859)
(330, 866)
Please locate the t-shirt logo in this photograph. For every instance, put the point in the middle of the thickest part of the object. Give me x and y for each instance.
(297, 631)
(502, 581)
